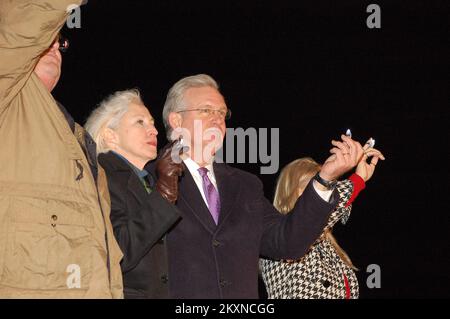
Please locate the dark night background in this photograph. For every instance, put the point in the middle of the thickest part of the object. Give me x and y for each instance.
(312, 69)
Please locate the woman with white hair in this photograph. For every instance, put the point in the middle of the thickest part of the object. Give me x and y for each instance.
(142, 209)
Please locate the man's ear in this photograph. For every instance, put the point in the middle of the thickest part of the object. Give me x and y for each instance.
(110, 137)
(175, 120)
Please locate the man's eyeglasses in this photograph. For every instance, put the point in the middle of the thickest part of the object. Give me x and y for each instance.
(63, 44)
(208, 112)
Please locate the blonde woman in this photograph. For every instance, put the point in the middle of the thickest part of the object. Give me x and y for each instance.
(326, 271)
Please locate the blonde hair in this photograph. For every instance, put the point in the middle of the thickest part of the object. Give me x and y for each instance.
(292, 181)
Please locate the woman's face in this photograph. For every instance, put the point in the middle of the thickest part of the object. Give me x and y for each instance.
(135, 138)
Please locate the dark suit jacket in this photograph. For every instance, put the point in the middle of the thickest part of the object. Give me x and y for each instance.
(209, 261)
(140, 221)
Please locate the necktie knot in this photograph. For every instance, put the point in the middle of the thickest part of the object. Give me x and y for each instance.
(203, 171)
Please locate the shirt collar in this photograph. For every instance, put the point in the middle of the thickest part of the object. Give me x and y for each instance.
(193, 166)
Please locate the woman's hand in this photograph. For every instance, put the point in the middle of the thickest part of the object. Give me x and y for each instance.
(365, 170)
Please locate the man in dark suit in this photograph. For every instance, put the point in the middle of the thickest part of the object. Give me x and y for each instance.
(141, 209)
(227, 223)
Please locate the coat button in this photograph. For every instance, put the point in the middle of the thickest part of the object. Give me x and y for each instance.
(216, 243)
(54, 217)
(164, 279)
(223, 283)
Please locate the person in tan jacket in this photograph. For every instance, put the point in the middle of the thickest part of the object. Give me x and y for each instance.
(56, 238)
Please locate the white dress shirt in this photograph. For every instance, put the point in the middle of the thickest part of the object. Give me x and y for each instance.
(193, 169)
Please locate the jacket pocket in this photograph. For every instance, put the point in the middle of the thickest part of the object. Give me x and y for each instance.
(49, 244)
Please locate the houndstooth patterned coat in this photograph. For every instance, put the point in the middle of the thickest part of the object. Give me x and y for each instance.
(320, 273)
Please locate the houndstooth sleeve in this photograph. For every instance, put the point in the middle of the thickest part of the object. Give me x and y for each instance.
(345, 190)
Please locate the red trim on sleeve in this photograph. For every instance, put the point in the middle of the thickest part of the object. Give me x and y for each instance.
(358, 185)
(347, 287)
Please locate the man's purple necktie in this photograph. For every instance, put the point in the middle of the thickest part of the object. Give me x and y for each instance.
(212, 196)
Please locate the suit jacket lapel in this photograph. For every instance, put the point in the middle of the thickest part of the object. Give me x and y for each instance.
(228, 188)
(190, 195)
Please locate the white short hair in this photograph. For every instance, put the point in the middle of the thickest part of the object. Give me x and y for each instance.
(175, 97)
(108, 115)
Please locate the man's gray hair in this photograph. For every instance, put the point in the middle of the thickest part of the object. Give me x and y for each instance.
(175, 97)
(108, 115)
